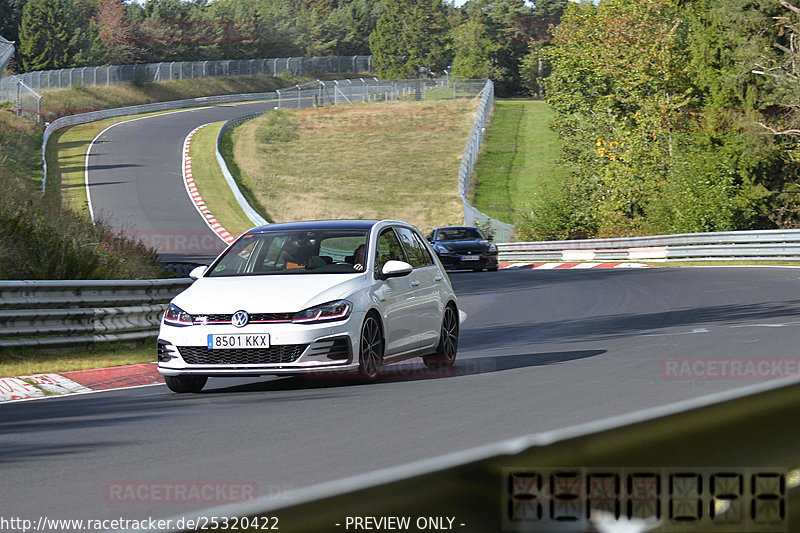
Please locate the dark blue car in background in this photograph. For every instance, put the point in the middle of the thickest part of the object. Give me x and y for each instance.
(464, 247)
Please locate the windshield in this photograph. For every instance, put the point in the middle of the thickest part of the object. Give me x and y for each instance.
(293, 252)
(460, 234)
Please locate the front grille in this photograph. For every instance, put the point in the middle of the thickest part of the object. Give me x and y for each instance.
(281, 353)
(255, 317)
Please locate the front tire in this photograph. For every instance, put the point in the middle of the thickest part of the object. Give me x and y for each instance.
(371, 345)
(447, 349)
(182, 384)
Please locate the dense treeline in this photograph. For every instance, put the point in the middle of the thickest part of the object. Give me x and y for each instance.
(482, 38)
(677, 116)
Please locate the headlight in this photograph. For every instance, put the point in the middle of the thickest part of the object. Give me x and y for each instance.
(338, 310)
(492, 248)
(175, 316)
(441, 248)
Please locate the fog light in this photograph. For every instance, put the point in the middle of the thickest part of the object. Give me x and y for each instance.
(163, 351)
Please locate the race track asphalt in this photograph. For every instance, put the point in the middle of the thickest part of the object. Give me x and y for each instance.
(135, 180)
(539, 350)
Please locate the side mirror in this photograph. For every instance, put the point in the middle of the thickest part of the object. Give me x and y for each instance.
(430, 238)
(198, 272)
(396, 269)
(490, 237)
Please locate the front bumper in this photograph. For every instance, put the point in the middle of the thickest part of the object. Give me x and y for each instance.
(293, 349)
(455, 261)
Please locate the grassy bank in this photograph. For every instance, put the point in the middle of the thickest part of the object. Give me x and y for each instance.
(81, 99)
(211, 183)
(388, 160)
(26, 361)
(518, 160)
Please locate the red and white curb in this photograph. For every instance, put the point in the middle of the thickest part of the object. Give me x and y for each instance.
(560, 266)
(78, 381)
(194, 195)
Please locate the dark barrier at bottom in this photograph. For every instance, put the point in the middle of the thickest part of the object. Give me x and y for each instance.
(725, 467)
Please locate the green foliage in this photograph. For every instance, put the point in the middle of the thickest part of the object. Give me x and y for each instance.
(473, 47)
(53, 34)
(658, 107)
(10, 18)
(534, 68)
(277, 126)
(410, 39)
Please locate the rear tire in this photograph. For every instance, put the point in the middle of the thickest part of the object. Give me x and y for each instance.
(370, 349)
(181, 384)
(446, 351)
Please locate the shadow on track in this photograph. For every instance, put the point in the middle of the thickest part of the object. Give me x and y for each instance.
(505, 281)
(624, 325)
(414, 372)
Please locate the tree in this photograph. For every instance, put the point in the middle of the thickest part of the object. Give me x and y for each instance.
(10, 18)
(621, 92)
(474, 48)
(114, 33)
(52, 34)
(410, 38)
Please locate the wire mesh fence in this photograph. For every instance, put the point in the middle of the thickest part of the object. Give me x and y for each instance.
(180, 70)
(6, 53)
(472, 216)
(374, 90)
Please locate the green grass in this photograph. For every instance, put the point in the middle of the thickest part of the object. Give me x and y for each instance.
(211, 183)
(81, 99)
(518, 159)
(26, 361)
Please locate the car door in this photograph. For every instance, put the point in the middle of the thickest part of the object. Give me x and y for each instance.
(427, 278)
(397, 296)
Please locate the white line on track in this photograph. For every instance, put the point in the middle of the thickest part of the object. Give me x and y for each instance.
(76, 394)
(91, 144)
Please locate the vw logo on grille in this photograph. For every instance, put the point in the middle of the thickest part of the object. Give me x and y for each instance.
(240, 319)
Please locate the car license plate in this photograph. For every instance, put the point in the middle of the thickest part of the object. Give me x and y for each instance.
(240, 340)
(470, 258)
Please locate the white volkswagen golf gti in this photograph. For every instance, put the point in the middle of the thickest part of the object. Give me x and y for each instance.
(343, 296)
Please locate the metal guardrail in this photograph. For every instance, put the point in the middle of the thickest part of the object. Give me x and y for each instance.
(715, 246)
(251, 213)
(6, 53)
(178, 70)
(40, 313)
(472, 216)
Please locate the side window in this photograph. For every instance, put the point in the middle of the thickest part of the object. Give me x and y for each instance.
(417, 255)
(424, 250)
(389, 249)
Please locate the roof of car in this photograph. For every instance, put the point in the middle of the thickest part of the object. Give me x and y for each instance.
(316, 225)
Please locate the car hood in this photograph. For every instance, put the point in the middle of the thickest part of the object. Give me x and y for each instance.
(266, 294)
(466, 246)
